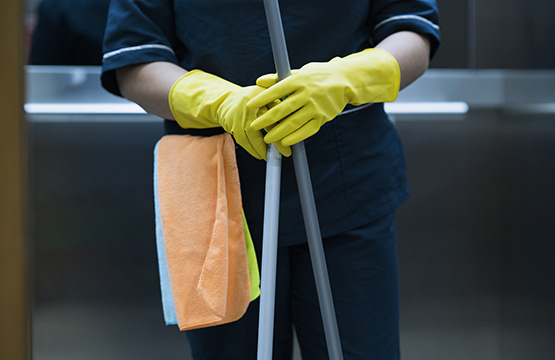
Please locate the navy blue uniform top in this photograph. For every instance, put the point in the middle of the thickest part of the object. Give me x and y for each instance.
(356, 161)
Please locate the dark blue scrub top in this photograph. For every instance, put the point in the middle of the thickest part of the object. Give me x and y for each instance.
(356, 161)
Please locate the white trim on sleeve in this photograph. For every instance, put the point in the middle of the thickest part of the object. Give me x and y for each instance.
(407, 17)
(137, 48)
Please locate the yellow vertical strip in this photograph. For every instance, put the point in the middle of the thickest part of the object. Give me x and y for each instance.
(14, 309)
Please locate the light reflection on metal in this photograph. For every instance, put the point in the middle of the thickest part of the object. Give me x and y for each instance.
(83, 108)
(131, 108)
(453, 107)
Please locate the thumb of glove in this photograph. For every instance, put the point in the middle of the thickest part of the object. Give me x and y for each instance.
(267, 80)
(270, 79)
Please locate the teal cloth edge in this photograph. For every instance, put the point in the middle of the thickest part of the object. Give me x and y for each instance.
(168, 304)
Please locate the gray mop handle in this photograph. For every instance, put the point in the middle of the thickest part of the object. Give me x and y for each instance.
(277, 39)
(271, 201)
(304, 183)
(317, 255)
(269, 254)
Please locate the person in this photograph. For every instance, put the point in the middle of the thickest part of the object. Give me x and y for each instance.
(206, 67)
(69, 33)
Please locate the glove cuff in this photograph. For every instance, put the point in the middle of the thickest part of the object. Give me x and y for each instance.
(377, 77)
(195, 97)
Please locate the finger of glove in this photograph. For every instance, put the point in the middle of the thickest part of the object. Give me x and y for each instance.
(231, 111)
(270, 79)
(256, 139)
(272, 104)
(284, 150)
(289, 125)
(279, 112)
(306, 131)
(278, 91)
(252, 142)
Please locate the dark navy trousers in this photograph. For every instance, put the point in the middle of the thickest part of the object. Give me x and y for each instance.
(362, 266)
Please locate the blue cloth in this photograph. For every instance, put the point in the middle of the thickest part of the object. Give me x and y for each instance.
(168, 305)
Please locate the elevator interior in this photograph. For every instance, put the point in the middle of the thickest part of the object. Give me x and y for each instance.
(475, 238)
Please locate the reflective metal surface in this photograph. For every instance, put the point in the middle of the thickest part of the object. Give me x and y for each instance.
(58, 93)
(475, 239)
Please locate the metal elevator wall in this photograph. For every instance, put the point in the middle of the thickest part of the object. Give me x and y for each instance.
(475, 239)
(496, 34)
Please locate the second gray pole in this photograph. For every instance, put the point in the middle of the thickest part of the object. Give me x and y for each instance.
(304, 183)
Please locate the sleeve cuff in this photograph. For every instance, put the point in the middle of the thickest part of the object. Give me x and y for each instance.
(131, 55)
(413, 23)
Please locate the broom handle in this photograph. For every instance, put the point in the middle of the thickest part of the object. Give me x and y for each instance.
(304, 184)
(271, 200)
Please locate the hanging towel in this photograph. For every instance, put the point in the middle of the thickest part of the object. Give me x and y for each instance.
(202, 250)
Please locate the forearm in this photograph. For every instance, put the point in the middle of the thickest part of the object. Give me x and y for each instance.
(412, 52)
(149, 85)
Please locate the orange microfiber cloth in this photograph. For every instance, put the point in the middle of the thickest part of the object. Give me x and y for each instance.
(200, 207)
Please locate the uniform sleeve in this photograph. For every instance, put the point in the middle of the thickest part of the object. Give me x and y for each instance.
(420, 16)
(137, 31)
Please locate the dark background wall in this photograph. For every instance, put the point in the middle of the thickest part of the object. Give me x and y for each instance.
(514, 34)
(484, 34)
(502, 34)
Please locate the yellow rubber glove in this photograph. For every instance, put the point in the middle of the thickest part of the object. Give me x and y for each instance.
(318, 92)
(200, 100)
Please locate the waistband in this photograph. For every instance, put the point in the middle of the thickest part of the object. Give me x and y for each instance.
(172, 127)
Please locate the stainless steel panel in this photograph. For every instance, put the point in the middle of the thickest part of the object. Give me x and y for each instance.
(476, 238)
(57, 93)
(456, 37)
(515, 34)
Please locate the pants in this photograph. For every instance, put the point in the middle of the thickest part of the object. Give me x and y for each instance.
(362, 266)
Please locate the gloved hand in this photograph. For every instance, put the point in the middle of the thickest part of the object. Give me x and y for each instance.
(318, 92)
(201, 100)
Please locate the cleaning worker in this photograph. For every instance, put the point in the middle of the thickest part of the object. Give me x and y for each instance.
(206, 67)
